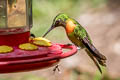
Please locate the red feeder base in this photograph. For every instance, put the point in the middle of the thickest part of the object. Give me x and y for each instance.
(21, 67)
(21, 60)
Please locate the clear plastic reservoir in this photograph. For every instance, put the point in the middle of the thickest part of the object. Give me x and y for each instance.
(15, 16)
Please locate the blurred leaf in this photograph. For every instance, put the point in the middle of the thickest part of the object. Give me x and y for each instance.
(96, 3)
(32, 77)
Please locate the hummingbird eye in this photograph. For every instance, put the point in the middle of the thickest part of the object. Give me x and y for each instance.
(57, 22)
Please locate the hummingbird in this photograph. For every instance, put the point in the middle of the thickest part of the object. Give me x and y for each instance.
(79, 37)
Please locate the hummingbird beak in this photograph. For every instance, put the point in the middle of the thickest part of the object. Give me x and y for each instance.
(49, 30)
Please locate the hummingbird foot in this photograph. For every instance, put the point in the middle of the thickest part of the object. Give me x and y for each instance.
(78, 48)
(56, 68)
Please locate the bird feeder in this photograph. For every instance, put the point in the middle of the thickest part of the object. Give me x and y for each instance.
(17, 52)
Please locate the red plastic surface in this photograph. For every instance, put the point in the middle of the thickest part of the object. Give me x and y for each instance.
(21, 60)
(14, 39)
(21, 67)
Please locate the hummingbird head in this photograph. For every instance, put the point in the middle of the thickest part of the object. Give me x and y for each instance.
(59, 20)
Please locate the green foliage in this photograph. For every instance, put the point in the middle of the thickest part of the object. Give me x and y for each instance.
(44, 11)
(96, 3)
(32, 77)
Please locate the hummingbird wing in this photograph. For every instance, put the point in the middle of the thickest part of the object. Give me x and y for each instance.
(83, 37)
(91, 51)
(101, 58)
(94, 54)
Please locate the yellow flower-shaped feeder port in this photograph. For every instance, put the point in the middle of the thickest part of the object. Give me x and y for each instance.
(5, 49)
(28, 46)
(41, 42)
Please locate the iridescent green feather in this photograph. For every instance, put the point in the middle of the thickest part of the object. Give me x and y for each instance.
(61, 16)
(81, 32)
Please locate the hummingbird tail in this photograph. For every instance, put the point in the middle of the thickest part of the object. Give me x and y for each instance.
(94, 54)
(94, 60)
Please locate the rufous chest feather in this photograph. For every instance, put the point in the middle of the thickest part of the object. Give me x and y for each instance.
(70, 26)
